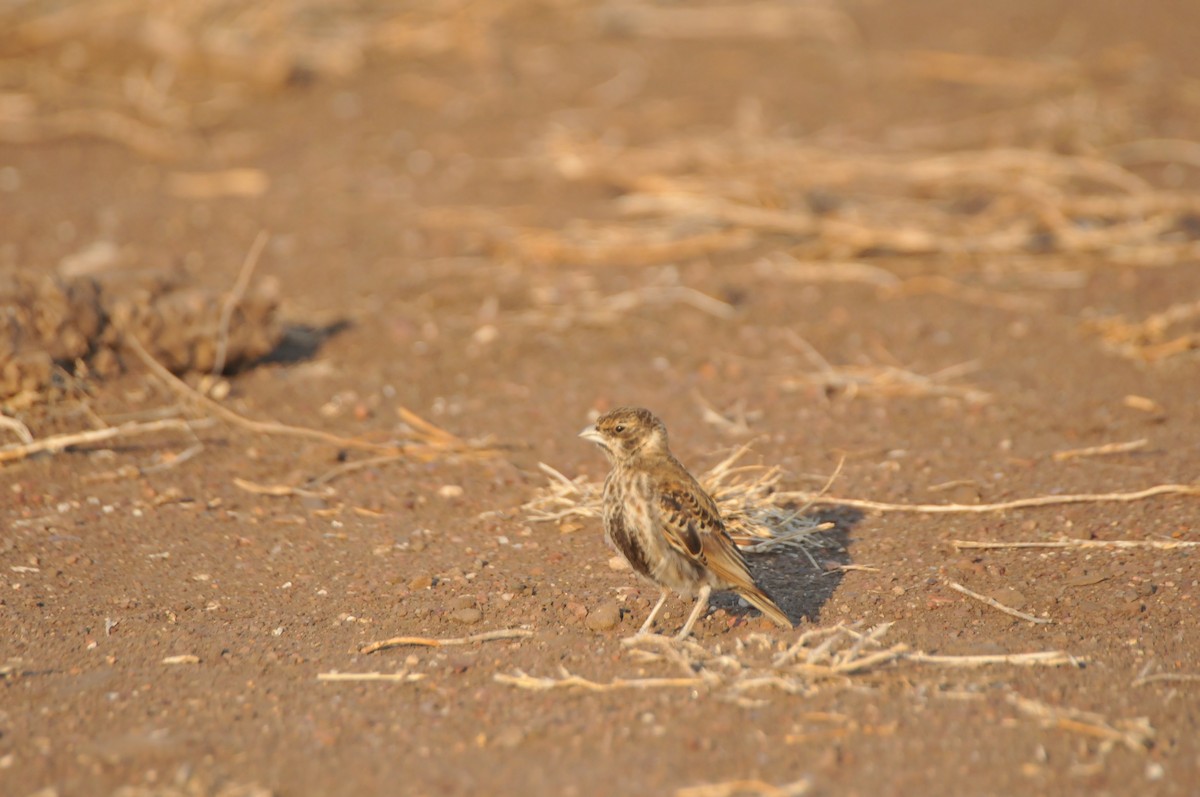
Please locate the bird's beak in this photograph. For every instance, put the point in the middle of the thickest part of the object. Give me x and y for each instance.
(593, 434)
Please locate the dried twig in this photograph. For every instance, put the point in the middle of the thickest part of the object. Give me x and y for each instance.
(1172, 677)
(429, 642)
(1010, 200)
(229, 416)
(885, 380)
(185, 658)
(279, 490)
(61, 442)
(995, 604)
(1161, 545)
(1152, 338)
(17, 427)
(757, 20)
(432, 440)
(350, 467)
(1101, 450)
(819, 656)
(746, 788)
(1003, 506)
(403, 676)
(1046, 658)
(522, 680)
(785, 266)
(834, 569)
(169, 461)
(235, 296)
(1136, 734)
(218, 184)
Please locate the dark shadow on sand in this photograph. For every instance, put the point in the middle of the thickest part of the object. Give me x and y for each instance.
(301, 342)
(789, 576)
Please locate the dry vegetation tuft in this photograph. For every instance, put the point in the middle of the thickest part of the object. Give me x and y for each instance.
(746, 494)
(157, 76)
(757, 665)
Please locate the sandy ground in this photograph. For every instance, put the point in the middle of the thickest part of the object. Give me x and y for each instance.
(454, 231)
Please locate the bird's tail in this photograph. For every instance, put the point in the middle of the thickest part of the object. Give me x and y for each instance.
(760, 600)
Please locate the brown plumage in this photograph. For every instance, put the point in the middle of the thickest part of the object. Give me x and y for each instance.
(662, 521)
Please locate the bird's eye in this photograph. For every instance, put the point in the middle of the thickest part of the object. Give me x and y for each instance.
(620, 427)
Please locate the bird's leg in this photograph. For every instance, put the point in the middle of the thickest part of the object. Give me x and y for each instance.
(701, 605)
(654, 612)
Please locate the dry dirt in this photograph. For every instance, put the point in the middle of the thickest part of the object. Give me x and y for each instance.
(920, 239)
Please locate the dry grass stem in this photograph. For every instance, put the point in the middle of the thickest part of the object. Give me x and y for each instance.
(566, 680)
(782, 265)
(350, 467)
(746, 788)
(761, 19)
(995, 604)
(851, 569)
(1154, 338)
(734, 421)
(818, 657)
(278, 490)
(968, 294)
(1048, 658)
(17, 427)
(171, 461)
(403, 676)
(105, 124)
(971, 69)
(235, 296)
(883, 380)
(1135, 734)
(229, 416)
(185, 68)
(1003, 506)
(219, 184)
(1169, 677)
(429, 642)
(1101, 450)
(186, 658)
(61, 442)
(1013, 201)
(636, 245)
(429, 441)
(879, 380)
(756, 520)
(1160, 545)
(607, 310)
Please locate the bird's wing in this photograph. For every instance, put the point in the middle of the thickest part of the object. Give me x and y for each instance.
(691, 524)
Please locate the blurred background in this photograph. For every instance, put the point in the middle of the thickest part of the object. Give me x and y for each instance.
(944, 250)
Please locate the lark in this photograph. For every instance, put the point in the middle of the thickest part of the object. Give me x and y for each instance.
(662, 521)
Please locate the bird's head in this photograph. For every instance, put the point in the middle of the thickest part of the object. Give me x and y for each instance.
(628, 432)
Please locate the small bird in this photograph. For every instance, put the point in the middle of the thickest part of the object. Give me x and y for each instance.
(662, 521)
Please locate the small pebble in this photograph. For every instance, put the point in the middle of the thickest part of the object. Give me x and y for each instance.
(421, 582)
(466, 616)
(462, 602)
(605, 616)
